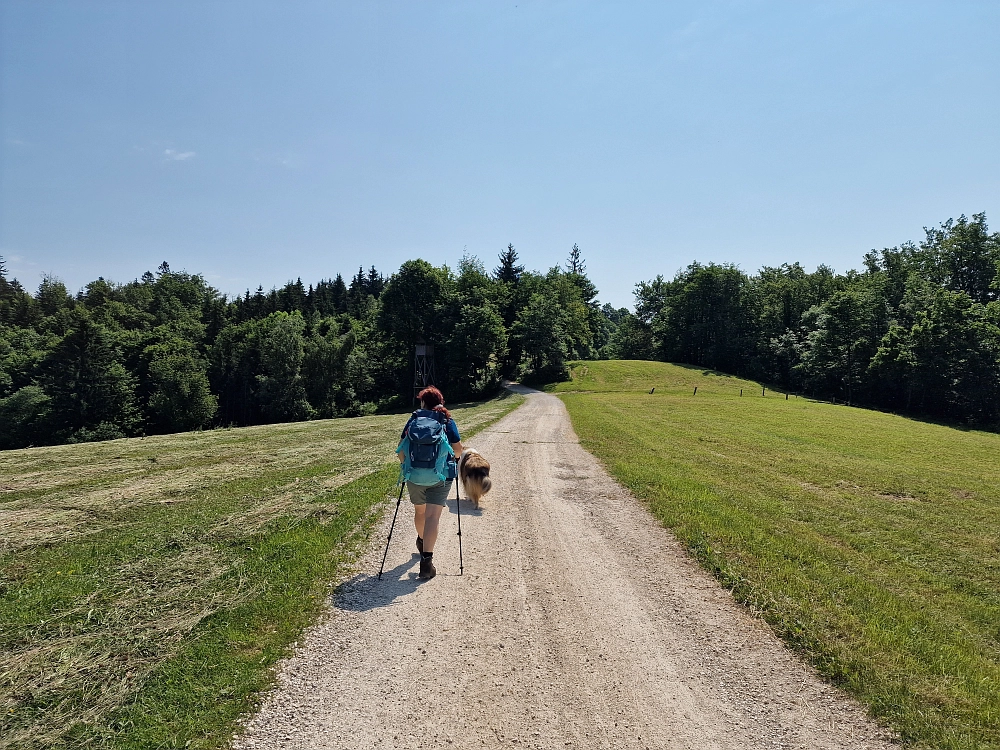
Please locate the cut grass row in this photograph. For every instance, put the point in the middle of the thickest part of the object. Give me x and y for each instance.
(147, 587)
(870, 542)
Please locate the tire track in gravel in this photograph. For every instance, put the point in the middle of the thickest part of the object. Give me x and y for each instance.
(579, 623)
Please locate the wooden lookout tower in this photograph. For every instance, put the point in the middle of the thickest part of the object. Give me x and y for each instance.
(423, 367)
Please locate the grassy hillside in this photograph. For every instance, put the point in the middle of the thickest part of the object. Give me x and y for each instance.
(642, 376)
(870, 542)
(147, 585)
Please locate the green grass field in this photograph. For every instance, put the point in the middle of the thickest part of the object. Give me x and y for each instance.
(147, 586)
(870, 542)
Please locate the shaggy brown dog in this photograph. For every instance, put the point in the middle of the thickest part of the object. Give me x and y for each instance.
(474, 471)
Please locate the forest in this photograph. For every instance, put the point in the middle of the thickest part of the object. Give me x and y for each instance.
(168, 353)
(916, 331)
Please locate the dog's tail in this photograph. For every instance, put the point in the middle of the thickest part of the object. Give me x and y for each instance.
(476, 485)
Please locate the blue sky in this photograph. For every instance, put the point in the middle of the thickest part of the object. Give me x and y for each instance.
(259, 142)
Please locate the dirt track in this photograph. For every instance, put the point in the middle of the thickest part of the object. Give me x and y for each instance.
(579, 622)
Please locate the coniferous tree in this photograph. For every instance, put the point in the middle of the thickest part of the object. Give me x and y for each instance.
(359, 281)
(294, 297)
(357, 294)
(375, 282)
(508, 271)
(92, 393)
(576, 264)
(339, 294)
(6, 293)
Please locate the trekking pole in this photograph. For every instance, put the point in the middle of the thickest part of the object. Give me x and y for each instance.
(391, 527)
(458, 505)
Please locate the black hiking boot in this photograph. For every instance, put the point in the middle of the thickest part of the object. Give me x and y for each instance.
(427, 569)
(420, 545)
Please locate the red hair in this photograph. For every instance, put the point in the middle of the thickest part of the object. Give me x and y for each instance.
(433, 399)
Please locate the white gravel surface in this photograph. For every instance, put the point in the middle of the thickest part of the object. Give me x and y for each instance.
(579, 623)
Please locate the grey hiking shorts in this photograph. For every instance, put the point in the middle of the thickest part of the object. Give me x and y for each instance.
(435, 494)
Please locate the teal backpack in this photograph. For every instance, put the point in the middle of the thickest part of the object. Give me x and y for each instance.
(425, 448)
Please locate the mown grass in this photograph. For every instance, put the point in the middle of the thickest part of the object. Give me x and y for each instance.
(869, 542)
(147, 587)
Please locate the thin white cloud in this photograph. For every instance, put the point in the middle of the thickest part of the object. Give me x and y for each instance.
(685, 40)
(690, 30)
(287, 160)
(15, 142)
(174, 155)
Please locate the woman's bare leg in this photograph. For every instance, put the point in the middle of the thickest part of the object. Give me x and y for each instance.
(429, 522)
(418, 519)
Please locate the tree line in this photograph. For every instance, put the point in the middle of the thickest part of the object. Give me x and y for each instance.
(916, 331)
(168, 353)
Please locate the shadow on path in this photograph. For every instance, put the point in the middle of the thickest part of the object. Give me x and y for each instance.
(468, 508)
(365, 592)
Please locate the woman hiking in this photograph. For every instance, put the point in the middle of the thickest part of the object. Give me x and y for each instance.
(427, 450)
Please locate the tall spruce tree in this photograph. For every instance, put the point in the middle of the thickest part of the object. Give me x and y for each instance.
(339, 293)
(508, 271)
(91, 390)
(6, 290)
(375, 282)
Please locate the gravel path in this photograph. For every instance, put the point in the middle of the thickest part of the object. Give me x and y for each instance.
(579, 623)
